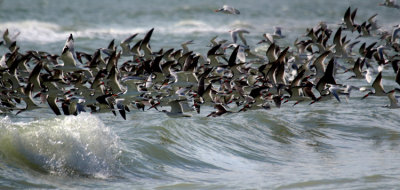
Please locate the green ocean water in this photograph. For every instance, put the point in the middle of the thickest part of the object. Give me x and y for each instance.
(353, 144)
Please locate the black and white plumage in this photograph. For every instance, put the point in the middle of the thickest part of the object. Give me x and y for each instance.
(228, 10)
(176, 109)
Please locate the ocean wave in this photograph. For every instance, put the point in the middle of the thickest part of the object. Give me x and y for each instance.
(40, 32)
(195, 26)
(80, 145)
(35, 31)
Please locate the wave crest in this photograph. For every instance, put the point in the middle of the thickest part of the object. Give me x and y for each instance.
(80, 145)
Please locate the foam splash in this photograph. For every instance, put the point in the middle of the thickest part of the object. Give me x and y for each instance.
(34, 31)
(80, 145)
(194, 26)
(39, 32)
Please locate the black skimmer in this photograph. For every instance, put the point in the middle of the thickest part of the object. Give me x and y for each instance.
(221, 110)
(125, 45)
(105, 103)
(320, 65)
(348, 19)
(373, 25)
(162, 77)
(270, 38)
(327, 78)
(394, 103)
(212, 55)
(272, 52)
(228, 10)
(113, 81)
(145, 46)
(184, 46)
(69, 60)
(377, 86)
(76, 106)
(51, 100)
(308, 90)
(239, 32)
(8, 40)
(135, 50)
(295, 89)
(357, 69)
(339, 45)
(390, 4)
(395, 33)
(26, 94)
(176, 109)
(34, 76)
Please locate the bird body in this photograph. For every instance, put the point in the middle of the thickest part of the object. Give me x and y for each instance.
(228, 10)
(176, 109)
(239, 32)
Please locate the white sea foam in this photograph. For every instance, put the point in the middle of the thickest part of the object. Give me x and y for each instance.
(35, 31)
(80, 145)
(195, 26)
(45, 32)
(180, 27)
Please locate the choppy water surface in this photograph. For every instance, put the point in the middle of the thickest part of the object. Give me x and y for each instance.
(328, 145)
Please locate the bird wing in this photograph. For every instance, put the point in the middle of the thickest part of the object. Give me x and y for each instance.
(395, 33)
(125, 43)
(319, 63)
(80, 107)
(231, 9)
(371, 19)
(353, 15)
(175, 106)
(232, 58)
(129, 39)
(68, 58)
(278, 31)
(220, 108)
(269, 37)
(145, 43)
(392, 98)
(347, 18)
(51, 100)
(185, 106)
(242, 37)
(241, 54)
(213, 50)
(337, 38)
(234, 36)
(212, 40)
(121, 108)
(377, 84)
(334, 91)
(70, 44)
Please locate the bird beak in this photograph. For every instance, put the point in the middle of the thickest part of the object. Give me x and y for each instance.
(365, 96)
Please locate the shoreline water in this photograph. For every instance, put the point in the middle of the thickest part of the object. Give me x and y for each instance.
(327, 145)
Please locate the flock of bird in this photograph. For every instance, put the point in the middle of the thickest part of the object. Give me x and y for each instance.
(231, 77)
